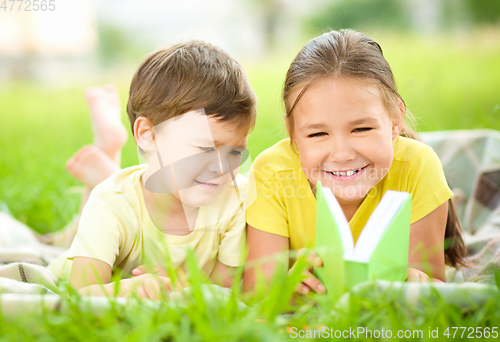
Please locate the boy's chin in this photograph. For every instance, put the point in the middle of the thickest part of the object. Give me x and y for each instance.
(199, 195)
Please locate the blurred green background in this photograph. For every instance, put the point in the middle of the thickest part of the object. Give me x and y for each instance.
(447, 69)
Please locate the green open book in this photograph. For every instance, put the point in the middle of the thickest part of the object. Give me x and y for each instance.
(381, 251)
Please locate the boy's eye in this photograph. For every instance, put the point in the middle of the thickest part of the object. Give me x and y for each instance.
(207, 149)
(362, 129)
(316, 134)
(236, 152)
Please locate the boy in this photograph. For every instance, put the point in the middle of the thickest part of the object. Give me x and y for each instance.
(191, 109)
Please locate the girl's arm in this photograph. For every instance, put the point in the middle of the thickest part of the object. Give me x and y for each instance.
(263, 246)
(427, 242)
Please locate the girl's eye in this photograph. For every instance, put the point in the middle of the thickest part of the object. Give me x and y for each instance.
(207, 149)
(316, 134)
(362, 129)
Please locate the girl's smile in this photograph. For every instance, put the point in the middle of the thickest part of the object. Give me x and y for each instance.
(346, 175)
(344, 135)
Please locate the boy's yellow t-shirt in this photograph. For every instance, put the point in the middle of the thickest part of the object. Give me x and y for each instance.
(284, 204)
(115, 227)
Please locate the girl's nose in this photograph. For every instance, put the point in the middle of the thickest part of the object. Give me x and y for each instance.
(341, 151)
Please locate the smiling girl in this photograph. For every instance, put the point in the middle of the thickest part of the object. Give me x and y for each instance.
(346, 122)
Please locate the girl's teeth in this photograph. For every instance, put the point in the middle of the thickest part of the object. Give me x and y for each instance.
(346, 173)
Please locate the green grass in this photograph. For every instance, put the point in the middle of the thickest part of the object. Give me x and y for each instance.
(198, 318)
(448, 81)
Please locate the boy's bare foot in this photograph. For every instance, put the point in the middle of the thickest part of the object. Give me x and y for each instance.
(109, 133)
(90, 165)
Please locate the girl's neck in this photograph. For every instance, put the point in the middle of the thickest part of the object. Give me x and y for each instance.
(350, 209)
(168, 213)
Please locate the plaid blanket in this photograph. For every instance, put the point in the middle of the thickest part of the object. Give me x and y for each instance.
(15, 305)
(471, 161)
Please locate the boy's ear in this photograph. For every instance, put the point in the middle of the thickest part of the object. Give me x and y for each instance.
(398, 120)
(144, 134)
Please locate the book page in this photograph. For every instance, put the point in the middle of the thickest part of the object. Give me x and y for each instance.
(377, 224)
(344, 229)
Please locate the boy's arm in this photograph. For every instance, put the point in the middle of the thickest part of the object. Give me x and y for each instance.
(222, 275)
(91, 277)
(89, 271)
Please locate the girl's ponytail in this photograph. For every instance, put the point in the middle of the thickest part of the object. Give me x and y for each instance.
(455, 250)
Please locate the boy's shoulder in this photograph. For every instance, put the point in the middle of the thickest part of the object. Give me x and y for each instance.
(280, 157)
(124, 184)
(121, 181)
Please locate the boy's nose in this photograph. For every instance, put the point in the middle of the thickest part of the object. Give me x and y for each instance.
(218, 164)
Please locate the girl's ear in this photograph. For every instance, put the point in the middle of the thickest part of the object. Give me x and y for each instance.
(398, 120)
(143, 134)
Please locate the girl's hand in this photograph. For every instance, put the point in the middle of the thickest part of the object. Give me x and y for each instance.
(414, 275)
(146, 286)
(148, 269)
(311, 282)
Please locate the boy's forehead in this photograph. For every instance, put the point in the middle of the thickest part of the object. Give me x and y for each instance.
(197, 127)
(228, 133)
(193, 124)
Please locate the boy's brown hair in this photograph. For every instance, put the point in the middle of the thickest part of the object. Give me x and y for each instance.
(191, 76)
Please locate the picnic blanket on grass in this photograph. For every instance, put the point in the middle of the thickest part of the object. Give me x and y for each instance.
(471, 161)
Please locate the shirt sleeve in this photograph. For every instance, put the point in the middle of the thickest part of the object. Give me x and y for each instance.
(232, 244)
(267, 211)
(99, 231)
(427, 183)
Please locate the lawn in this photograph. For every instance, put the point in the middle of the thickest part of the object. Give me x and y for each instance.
(448, 82)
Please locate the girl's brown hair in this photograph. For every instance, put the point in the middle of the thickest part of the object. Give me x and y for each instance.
(347, 53)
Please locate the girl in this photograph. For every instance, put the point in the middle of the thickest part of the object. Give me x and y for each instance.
(345, 119)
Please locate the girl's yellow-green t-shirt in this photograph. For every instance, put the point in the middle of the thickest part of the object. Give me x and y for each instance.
(284, 204)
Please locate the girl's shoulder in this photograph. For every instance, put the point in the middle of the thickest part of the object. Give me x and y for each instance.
(407, 150)
(282, 156)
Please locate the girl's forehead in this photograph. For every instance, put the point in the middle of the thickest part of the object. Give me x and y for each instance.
(334, 86)
(339, 102)
(340, 92)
